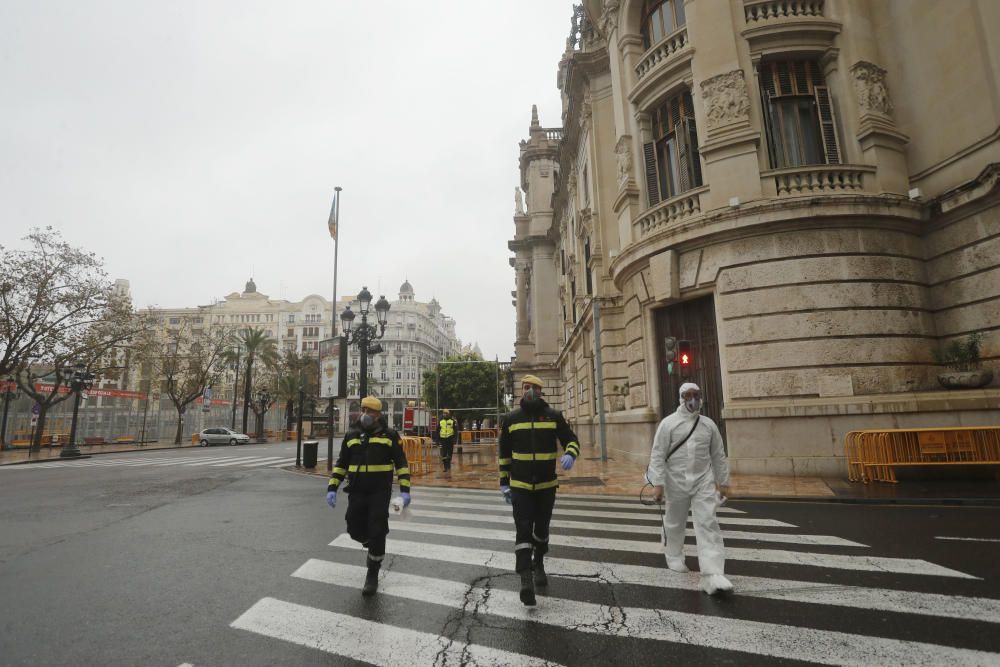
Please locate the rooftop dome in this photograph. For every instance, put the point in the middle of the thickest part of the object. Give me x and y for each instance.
(406, 288)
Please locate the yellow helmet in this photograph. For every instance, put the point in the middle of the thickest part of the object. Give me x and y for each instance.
(531, 379)
(371, 403)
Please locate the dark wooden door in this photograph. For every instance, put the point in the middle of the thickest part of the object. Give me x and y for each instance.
(693, 321)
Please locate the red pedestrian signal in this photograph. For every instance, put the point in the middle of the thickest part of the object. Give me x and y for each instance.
(684, 353)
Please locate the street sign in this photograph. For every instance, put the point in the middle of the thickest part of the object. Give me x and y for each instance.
(36, 409)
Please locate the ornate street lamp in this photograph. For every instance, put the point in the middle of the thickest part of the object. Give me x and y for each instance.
(80, 381)
(11, 393)
(364, 334)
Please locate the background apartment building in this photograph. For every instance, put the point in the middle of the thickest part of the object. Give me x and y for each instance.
(807, 190)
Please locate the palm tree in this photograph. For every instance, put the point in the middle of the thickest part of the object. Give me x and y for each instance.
(297, 372)
(257, 344)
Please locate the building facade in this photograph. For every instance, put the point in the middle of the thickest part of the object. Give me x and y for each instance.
(417, 335)
(805, 190)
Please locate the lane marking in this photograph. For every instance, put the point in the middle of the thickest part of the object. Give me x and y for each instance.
(807, 592)
(367, 641)
(732, 634)
(966, 539)
(859, 563)
(785, 538)
(246, 459)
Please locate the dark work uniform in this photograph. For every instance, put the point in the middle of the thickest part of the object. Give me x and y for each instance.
(446, 438)
(527, 458)
(368, 460)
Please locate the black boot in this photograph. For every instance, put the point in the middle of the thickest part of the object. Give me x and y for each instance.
(371, 581)
(541, 579)
(527, 589)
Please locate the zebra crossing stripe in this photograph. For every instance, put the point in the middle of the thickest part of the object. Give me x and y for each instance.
(856, 597)
(246, 459)
(715, 632)
(210, 461)
(508, 519)
(285, 462)
(367, 641)
(965, 539)
(593, 514)
(449, 493)
(858, 563)
(273, 459)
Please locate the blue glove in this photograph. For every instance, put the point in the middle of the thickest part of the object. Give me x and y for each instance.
(505, 490)
(567, 461)
(331, 498)
(406, 498)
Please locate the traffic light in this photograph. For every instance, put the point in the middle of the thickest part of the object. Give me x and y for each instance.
(684, 353)
(669, 349)
(670, 353)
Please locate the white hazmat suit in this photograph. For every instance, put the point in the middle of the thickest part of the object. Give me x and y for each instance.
(689, 480)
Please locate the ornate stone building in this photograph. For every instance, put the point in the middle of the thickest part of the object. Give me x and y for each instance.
(806, 190)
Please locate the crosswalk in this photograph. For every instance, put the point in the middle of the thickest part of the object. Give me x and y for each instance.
(448, 595)
(203, 461)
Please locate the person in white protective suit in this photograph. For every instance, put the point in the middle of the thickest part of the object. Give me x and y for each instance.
(695, 476)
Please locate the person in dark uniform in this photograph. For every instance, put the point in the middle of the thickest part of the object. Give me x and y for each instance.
(527, 460)
(369, 455)
(446, 438)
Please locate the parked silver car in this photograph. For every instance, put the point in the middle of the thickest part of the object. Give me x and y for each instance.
(222, 436)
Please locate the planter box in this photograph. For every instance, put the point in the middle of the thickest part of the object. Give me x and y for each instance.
(965, 379)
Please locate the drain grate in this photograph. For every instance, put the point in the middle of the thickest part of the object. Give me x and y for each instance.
(583, 481)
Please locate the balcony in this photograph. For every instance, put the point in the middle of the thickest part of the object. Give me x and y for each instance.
(818, 180)
(662, 54)
(669, 212)
(767, 10)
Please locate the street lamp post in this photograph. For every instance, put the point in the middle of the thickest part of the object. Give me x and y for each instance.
(264, 399)
(11, 393)
(364, 334)
(81, 381)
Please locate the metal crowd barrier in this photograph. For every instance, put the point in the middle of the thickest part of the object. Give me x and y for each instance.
(873, 455)
(419, 453)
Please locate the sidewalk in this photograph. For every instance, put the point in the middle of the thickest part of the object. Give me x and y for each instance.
(475, 468)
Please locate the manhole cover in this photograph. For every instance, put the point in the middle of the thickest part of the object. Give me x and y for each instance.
(584, 481)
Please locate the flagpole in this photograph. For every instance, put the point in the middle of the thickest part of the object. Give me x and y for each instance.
(333, 325)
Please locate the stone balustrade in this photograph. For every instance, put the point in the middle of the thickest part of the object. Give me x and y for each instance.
(767, 10)
(670, 211)
(553, 133)
(818, 179)
(662, 51)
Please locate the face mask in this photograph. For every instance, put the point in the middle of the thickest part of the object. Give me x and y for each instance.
(366, 420)
(693, 404)
(531, 394)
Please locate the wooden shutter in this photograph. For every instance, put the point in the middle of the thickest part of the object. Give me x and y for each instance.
(827, 129)
(652, 183)
(683, 157)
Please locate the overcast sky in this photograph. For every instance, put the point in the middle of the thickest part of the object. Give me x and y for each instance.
(192, 143)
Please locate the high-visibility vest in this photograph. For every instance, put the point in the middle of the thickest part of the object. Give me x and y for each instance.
(447, 427)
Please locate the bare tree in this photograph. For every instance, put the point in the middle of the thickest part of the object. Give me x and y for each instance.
(186, 360)
(59, 313)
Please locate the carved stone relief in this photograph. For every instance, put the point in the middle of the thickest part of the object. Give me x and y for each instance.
(871, 88)
(609, 16)
(726, 99)
(623, 152)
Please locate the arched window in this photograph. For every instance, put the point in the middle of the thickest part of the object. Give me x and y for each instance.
(660, 18)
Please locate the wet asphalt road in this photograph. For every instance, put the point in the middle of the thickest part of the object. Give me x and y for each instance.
(153, 563)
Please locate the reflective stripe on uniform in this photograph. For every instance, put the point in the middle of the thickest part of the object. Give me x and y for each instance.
(339, 471)
(573, 446)
(523, 545)
(525, 425)
(380, 441)
(504, 473)
(504, 462)
(402, 471)
(388, 467)
(353, 441)
(404, 483)
(534, 487)
(540, 456)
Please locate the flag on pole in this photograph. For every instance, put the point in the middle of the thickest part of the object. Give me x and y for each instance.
(333, 220)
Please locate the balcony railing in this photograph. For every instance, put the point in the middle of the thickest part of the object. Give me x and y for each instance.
(821, 179)
(670, 211)
(766, 10)
(553, 133)
(662, 51)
